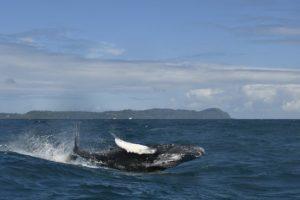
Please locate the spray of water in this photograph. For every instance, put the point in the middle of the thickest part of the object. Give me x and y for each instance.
(42, 147)
(46, 147)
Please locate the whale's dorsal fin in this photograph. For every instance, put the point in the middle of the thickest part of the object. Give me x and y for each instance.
(134, 148)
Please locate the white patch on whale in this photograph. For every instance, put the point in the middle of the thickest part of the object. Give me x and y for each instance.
(134, 148)
(166, 158)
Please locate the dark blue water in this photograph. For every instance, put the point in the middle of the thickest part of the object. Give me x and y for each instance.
(245, 159)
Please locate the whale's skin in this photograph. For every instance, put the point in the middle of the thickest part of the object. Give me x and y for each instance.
(166, 156)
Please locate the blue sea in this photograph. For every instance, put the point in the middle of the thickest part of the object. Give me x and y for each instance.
(245, 159)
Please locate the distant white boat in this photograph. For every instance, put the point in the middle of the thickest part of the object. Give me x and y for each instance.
(130, 118)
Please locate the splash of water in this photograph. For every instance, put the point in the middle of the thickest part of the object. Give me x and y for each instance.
(46, 147)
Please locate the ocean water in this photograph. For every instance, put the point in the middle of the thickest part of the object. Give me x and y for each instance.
(245, 159)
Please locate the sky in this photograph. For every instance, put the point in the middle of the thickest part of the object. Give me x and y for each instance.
(242, 56)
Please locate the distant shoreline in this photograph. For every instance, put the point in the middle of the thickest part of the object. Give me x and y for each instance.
(155, 113)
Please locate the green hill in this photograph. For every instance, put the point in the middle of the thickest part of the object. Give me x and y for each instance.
(211, 113)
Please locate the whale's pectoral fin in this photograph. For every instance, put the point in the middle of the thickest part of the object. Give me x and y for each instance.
(132, 147)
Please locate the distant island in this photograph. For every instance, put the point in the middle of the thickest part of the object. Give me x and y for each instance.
(210, 113)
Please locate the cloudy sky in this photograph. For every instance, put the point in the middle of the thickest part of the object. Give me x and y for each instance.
(242, 56)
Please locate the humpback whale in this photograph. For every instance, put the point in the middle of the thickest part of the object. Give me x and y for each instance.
(129, 156)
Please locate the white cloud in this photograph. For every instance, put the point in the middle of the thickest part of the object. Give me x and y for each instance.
(26, 40)
(291, 106)
(260, 92)
(47, 76)
(206, 97)
(62, 42)
(288, 95)
(269, 33)
(293, 91)
(103, 49)
(203, 93)
(24, 63)
(281, 30)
